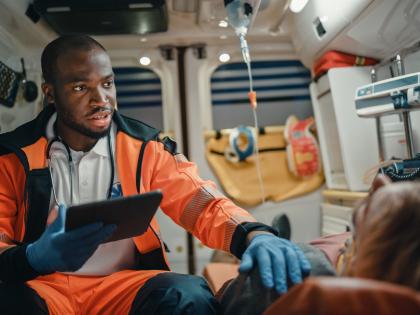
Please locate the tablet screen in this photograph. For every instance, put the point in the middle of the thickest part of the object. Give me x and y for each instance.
(131, 214)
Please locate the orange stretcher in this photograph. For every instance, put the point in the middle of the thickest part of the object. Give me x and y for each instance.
(240, 180)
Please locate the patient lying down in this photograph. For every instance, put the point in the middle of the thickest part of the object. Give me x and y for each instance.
(385, 246)
(386, 236)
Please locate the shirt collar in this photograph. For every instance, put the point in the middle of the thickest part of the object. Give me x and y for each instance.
(101, 146)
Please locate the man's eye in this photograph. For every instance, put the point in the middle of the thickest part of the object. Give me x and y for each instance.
(78, 88)
(108, 84)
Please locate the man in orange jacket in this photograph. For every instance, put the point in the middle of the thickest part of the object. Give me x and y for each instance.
(80, 149)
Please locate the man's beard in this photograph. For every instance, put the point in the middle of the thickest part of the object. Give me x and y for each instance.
(71, 123)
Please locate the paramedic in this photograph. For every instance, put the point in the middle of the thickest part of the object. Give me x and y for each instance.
(80, 149)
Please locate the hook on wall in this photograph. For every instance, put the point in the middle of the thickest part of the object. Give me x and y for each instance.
(30, 89)
(199, 50)
(167, 52)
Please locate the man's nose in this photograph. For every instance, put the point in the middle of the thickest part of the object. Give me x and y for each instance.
(99, 97)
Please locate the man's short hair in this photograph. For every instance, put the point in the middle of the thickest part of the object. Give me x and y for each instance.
(60, 46)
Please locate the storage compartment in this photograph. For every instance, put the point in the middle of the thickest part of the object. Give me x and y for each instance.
(372, 28)
(392, 132)
(100, 17)
(330, 144)
(383, 28)
(349, 146)
(335, 218)
(320, 22)
(337, 210)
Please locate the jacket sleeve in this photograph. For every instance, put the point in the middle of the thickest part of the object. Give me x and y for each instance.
(14, 266)
(197, 205)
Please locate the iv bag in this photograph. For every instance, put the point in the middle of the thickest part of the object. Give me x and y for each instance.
(241, 14)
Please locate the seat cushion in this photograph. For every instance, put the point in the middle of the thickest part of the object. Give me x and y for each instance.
(218, 273)
(346, 296)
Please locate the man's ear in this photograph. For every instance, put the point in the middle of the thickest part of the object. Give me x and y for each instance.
(379, 181)
(48, 91)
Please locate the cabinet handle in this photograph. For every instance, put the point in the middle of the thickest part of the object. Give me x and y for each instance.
(324, 93)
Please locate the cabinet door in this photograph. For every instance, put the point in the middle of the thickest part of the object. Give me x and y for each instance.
(335, 218)
(358, 137)
(328, 135)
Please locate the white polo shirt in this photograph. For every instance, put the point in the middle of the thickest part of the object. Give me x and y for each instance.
(90, 178)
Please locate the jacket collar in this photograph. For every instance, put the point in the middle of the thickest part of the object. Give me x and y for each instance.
(30, 132)
(135, 128)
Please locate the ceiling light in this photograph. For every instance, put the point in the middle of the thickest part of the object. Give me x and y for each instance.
(145, 61)
(297, 5)
(223, 24)
(324, 19)
(140, 6)
(224, 57)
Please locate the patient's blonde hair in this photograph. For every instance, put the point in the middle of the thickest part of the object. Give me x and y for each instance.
(388, 245)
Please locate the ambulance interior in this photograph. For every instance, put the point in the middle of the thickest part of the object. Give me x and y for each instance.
(179, 67)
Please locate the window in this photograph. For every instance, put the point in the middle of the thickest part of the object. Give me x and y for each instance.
(282, 88)
(139, 95)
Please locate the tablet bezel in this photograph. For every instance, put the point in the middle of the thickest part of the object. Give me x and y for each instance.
(131, 214)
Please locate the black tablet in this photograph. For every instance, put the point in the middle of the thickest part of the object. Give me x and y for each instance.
(132, 214)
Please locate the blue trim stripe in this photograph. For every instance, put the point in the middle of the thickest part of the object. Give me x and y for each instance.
(131, 70)
(274, 81)
(132, 89)
(259, 71)
(136, 81)
(261, 77)
(262, 100)
(139, 93)
(260, 65)
(140, 104)
(262, 88)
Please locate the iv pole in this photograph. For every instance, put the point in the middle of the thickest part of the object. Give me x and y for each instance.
(378, 123)
(400, 70)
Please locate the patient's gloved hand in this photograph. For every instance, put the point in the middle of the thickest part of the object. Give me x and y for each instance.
(57, 250)
(274, 257)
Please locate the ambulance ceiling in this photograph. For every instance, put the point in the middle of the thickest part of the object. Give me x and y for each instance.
(189, 21)
(376, 28)
(192, 21)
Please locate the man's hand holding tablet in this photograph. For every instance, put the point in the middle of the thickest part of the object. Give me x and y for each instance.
(131, 215)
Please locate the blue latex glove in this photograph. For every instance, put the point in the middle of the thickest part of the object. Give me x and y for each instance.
(57, 250)
(277, 259)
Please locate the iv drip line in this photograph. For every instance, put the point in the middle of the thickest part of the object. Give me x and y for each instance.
(257, 156)
(240, 17)
(253, 102)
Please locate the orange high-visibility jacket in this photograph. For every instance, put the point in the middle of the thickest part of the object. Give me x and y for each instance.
(144, 163)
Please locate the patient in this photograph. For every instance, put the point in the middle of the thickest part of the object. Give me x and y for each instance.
(385, 246)
(386, 236)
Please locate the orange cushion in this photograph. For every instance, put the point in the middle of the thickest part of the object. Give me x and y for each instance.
(346, 296)
(218, 273)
